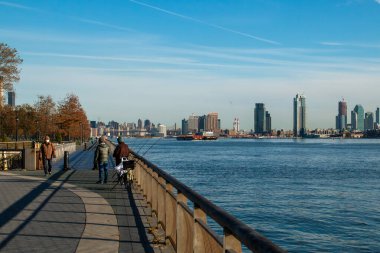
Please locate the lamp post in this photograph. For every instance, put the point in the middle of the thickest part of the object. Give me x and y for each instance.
(81, 133)
(17, 128)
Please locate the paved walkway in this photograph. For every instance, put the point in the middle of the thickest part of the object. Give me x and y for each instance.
(69, 212)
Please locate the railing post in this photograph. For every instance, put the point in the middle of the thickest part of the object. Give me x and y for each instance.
(149, 186)
(155, 192)
(161, 202)
(170, 215)
(231, 242)
(185, 228)
(199, 215)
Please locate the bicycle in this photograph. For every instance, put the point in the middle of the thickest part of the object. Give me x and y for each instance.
(124, 172)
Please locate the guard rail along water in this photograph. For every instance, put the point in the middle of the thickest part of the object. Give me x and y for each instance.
(185, 227)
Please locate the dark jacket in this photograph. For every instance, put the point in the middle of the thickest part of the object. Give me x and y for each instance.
(47, 151)
(120, 151)
(101, 153)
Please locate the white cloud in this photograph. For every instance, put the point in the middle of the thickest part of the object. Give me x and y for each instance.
(377, 1)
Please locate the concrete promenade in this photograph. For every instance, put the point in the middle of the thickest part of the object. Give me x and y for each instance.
(68, 212)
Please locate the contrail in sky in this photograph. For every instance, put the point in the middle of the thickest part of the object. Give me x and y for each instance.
(205, 23)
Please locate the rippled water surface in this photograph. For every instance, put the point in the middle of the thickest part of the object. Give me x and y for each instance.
(305, 195)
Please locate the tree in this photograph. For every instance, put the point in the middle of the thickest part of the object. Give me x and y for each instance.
(9, 61)
(46, 115)
(72, 118)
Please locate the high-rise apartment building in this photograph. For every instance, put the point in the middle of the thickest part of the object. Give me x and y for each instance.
(193, 123)
(147, 125)
(368, 121)
(268, 122)
(236, 125)
(12, 98)
(162, 130)
(357, 118)
(139, 124)
(185, 126)
(202, 123)
(341, 118)
(299, 115)
(212, 122)
(260, 118)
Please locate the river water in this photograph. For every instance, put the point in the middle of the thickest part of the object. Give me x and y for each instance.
(304, 195)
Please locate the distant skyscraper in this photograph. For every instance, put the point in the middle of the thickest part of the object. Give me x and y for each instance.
(202, 123)
(93, 124)
(212, 122)
(236, 125)
(139, 124)
(268, 122)
(357, 118)
(377, 115)
(162, 130)
(368, 121)
(193, 123)
(260, 118)
(12, 98)
(185, 126)
(147, 125)
(299, 115)
(341, 118)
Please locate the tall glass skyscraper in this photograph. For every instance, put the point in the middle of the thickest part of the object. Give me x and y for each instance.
(260, 118)
(357, 118)
(299, 115)
(341, 118)
(377, 115)
(368, 121)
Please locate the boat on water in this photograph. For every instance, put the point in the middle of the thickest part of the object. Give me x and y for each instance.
(205, 136)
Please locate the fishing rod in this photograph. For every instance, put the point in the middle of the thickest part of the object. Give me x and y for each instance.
(143, 144)
(151, 146)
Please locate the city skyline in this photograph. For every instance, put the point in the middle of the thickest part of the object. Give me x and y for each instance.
(163, 60)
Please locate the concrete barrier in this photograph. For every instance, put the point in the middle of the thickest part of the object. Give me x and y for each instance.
(32, 154)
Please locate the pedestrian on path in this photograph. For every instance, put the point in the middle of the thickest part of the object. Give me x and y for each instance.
(102, 153)
(47, 153)
(121, 150)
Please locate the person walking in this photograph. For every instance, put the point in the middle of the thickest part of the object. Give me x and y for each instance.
(47, 153)
(102, 153)
(121, 150)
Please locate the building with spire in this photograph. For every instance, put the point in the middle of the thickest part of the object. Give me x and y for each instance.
(299, 115)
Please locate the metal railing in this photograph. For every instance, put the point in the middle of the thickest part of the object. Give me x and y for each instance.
(186, 226)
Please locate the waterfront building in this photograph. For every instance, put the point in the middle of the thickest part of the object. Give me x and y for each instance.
(368, 121)
(139, 124)
(377, 116)
(212, 122)
(357, 118)
(236, 125)
(193, 123)
(341, 118)
(268, 122)
(299, 115)
(202, 123)
(259, 118)
(93, 124)
(147, 125)
(162, 130)
(185, 126)
(12, 98)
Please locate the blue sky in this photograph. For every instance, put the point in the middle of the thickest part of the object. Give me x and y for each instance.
(165, 60)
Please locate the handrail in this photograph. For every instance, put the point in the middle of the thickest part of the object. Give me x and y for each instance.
(248, 236)
(231, 225)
